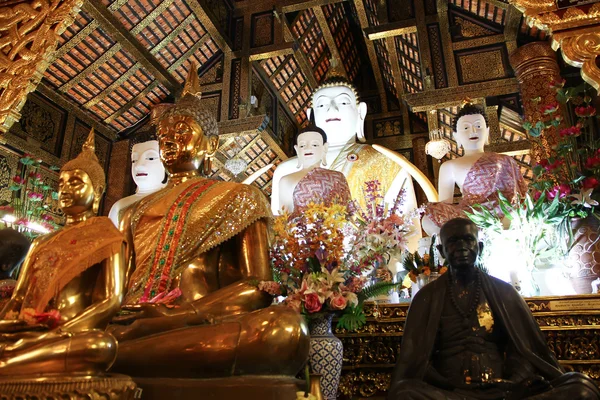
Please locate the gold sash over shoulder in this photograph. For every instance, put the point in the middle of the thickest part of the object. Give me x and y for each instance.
(190, 218)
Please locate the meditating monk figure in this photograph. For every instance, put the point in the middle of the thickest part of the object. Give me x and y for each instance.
(148, 173)
(200, 248)
(336, 110)
(313, 183)
(471, 336)
(70, 285)
(479, 175)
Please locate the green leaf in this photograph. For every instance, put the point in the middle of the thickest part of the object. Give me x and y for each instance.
(376, 289)
(352, 319)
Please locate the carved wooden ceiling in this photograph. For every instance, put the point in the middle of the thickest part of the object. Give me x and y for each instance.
(259, 61)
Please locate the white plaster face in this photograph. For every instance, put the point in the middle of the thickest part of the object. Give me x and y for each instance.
(472, 132)
(337, 114)
(310, 148)
(146, 167)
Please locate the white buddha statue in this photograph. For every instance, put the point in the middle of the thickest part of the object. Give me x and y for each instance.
(478, 175)
(312, 183)
(339, 113)
(148, 174)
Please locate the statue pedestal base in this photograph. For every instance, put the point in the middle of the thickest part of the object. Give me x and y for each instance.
(74, 387)
(232, 388)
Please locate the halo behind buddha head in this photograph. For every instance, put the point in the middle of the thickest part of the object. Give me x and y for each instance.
(88, 162)
(188, 105)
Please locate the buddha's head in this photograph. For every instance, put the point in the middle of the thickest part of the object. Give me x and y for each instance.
(81, 182)
(337, 111)
(311, 147)
(470, 128)
(147, 168)
(186, 134)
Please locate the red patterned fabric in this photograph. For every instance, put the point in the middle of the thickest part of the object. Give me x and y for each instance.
(321, 186)
(493, 172)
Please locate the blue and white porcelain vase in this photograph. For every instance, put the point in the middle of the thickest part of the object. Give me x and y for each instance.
(326, 354)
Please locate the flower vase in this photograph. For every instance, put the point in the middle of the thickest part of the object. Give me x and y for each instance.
(423, 280)
(584, 256)
(325, 356)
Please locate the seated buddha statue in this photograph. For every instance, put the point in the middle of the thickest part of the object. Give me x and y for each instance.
(478, 174)
(199, 248)
(70, 285)
(336, 110)
(470, 336)
(148, 173)
(313, 183)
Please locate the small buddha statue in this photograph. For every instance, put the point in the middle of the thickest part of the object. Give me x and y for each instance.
(313, 183)
(470, 336)
(70, 285)
(148, 174)
(336, 110)
(199, 247)
(478, 174)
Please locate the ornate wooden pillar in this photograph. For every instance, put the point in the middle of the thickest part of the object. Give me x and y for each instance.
(535, 66)
(574, 26)
(29, 32)
(420, 161)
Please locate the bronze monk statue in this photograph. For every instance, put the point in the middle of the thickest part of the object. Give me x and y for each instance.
(471, 336)
(199, 248)
(70, 285)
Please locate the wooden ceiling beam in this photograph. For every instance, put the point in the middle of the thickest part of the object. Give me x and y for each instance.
(328, 35)
(274, 50)
(298, 5)
(211, 27)
(453, 96)
(395, 63)
(391, 29)
(113, 27)
(364, 24)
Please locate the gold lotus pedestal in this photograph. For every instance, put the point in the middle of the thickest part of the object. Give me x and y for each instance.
(571, 325)
(72, 387)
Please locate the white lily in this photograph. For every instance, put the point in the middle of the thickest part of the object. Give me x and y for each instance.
(584, 198)
(331, 278)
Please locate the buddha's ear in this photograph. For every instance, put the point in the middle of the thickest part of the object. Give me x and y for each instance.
(487, 132)
(213, 145)
(98, 192)
(360, 122)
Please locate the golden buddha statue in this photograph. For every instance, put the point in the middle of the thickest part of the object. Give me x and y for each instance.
(198, 245)
(70, 287)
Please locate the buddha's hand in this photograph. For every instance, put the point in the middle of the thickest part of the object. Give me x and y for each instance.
(139, 311)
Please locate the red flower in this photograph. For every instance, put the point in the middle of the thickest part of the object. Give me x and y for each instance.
(18, 180)
(549, 108)
(557, 84)
(572, 131)
(590, 183)
(585, 111)
(551, 166)
(592, 162)
(537, 195)
(35, 175)
(560, 191)
(312, 303)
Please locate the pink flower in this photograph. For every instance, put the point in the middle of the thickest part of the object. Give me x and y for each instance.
(590, 183)
(572, 131)
(35, 175)
(18, 180)
(537, 195)
(294, 303)
(271, 287)
(585, 111)
(549, 108)
(560, 191)
(338, 302)
(312, 303)
(35, 196)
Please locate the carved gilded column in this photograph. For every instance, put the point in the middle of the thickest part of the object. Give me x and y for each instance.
(574, 28)
(29, 34)
(535, 66)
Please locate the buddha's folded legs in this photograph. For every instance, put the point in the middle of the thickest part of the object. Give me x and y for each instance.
(55, 353)
(414, 389)
(272, 341)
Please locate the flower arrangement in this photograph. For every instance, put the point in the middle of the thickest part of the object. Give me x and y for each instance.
(570, 172)
(415, 264)
(31, 201)
(321, 256)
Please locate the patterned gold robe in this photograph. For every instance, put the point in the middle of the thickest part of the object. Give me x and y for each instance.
(177, 224)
